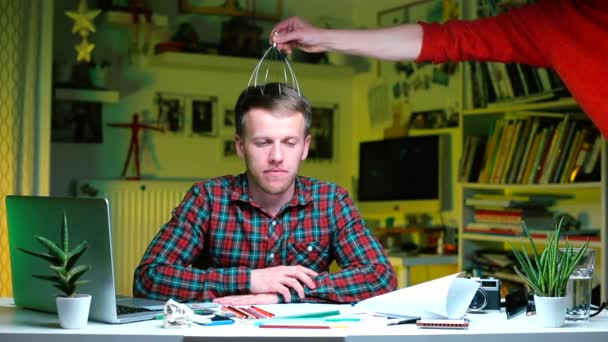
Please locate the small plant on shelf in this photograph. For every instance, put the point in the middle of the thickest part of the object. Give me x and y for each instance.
(63, 262)
(547, 273)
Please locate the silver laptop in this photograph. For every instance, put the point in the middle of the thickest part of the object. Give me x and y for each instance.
(88, 219)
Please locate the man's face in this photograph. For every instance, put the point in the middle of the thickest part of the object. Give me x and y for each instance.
(273, 149)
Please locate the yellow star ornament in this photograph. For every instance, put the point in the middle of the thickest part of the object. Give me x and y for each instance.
(83, 19)
(84, 51)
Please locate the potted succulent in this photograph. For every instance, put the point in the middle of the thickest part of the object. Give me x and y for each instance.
(72, 308)
(547, 273)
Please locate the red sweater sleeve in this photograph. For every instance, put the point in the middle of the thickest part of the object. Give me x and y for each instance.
(518, 35)
(569, 36)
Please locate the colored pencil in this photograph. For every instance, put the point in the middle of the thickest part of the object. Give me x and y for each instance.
(294, 326)
(264, 312)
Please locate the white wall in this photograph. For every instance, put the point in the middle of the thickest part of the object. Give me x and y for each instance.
(167, 156)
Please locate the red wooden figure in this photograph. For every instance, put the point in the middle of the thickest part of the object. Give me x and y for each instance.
(134, 144)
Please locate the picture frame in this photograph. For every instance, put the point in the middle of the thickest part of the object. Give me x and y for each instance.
(170, 112)
(429, 119)
(76, 122)
(261, 10)
(322, 132)
(201, 115)
(228, 119)
(229, 148)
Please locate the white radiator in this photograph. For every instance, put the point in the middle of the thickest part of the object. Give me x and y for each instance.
(137, 211)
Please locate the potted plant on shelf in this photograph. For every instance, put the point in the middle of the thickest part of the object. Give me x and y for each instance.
(72, 308)
(547, 273)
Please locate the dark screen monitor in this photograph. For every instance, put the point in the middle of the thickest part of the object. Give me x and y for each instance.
(401, 169)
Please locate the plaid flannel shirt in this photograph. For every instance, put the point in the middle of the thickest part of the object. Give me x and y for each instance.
(224, 234)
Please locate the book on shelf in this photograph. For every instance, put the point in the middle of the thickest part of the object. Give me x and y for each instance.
(511, 202)
(536, 148)
(504, 84)
(494, 228)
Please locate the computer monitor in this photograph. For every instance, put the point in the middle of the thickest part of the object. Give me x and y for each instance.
(407, 174)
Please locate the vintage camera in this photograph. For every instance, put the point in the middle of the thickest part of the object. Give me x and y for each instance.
(487, 296)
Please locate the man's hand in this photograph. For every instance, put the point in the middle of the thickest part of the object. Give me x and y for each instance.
(281, 279)
(248, 299)
(296, 33)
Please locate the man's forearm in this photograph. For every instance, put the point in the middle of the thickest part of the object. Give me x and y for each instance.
(353, 284)
(161, 282)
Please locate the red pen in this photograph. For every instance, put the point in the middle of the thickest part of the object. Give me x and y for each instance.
(237, 313)
(252, 312)
(263, 312)
(295, 326)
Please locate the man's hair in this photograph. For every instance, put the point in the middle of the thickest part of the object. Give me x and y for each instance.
(278, 98)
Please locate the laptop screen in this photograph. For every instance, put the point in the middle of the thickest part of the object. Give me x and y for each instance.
(88, 219)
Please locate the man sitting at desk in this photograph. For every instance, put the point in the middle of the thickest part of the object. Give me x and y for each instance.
(268, 235)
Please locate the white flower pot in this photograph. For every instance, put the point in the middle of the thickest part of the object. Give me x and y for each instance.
(73, 312)
(551, 311)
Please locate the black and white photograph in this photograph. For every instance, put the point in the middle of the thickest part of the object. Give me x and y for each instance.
(202, 115)
(170, 112)
(229, 117)
(322, 132)
(229, 148)
(76, 122)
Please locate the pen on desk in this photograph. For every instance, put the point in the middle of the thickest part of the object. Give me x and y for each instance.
(403, 321)
(343, 319)
(293, 326)
(262, 311)
(315, 314)
(234, 311)
(254, 313)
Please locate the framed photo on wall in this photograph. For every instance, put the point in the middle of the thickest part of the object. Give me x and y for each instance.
(229, 147)
(202, 118)
(170, 112)
(229, 117)
(322, 132)
(76, 122)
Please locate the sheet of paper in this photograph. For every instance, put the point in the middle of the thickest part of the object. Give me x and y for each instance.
(447, 297)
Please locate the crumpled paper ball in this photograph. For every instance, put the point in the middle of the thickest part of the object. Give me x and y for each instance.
(177, 315)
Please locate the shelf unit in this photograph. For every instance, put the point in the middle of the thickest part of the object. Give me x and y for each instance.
(126, 18)
(246, 65)
(589, 200)
(87, 95)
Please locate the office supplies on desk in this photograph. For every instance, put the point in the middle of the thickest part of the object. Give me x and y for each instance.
(446, 297)
(443, 323)
(294, 326)
(401, 321)
(262, 311)
(215, 320)
(306, 310)
(89, 220)
(319, 314)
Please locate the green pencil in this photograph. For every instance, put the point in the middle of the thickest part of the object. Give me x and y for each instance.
(314, 314)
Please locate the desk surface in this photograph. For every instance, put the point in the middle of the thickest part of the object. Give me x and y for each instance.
(24, 325)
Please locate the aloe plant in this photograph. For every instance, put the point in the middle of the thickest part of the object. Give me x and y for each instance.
(547, 273)
(63, 261)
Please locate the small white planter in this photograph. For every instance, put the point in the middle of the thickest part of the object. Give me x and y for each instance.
(551, 311)
(73, 312)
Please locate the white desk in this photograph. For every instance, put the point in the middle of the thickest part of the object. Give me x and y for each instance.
(17, 325)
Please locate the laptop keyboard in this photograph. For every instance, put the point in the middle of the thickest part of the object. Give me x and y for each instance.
(125, 310)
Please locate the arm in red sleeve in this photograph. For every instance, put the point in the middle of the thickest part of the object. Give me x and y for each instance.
(518, 35)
